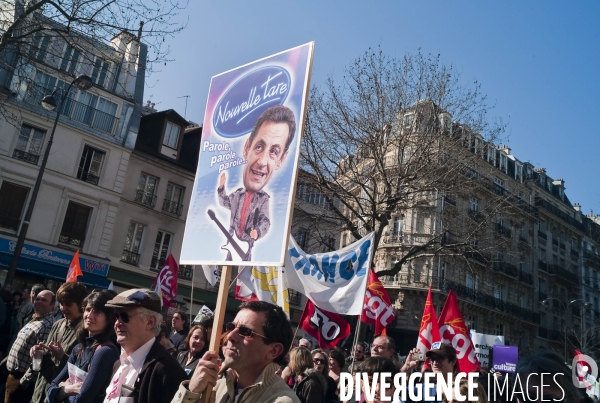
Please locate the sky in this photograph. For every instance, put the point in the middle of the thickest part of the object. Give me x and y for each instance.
(538, 62)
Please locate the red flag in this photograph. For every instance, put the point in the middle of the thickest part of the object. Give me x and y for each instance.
(165, 284)
(74, 269)
(453, 331)
(582, 369)
(327, 327)
(429, 332)
(377, 308)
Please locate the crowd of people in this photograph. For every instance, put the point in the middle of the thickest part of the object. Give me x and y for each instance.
(107, 348)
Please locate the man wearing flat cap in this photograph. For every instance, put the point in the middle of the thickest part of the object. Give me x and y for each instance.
(145, 372)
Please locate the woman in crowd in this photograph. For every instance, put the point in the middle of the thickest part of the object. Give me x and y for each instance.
(95, 354)
(321, 363)
(337, 360)
(195, 345)
(310, 385)
(164, 341)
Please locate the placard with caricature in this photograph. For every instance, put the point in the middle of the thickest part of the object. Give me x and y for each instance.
(241, 204)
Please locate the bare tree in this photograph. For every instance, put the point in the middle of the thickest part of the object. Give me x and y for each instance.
(50, 32)
(406, 137)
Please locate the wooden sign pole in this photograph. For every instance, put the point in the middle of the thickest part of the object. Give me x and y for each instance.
(219, 317)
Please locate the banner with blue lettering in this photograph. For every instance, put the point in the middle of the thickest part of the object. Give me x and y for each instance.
(242, 198)
(333, 281)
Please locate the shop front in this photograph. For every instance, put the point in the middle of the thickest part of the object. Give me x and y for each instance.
(48, 265)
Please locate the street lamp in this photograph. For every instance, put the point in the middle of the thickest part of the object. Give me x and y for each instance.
(49, 103)
(546, 302)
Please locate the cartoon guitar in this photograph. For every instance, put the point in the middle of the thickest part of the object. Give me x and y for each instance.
(233, 242)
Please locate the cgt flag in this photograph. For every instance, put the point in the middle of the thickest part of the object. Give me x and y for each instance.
(74, 269)
(378, 308)
(165, 284)
(454, 332)
(327, 328)
(429, 332)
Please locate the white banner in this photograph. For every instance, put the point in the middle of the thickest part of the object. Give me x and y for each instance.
(483, 344)
(212, 274)
(333, 281)
(262, 283)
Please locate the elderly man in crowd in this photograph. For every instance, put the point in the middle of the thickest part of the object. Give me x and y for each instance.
(305, 343)
(62, 338)
(19, 385)
(257, 342)
(145, 372)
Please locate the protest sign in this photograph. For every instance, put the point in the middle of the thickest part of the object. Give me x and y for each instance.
(505, 358)
(243, 191)
(483, 344)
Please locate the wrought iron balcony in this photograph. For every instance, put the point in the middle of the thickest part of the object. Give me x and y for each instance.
(506, 268)
(411, 279)
(9, 223)
(130, 257)
(490, 301)
(476, 255)
(172, 207)
(25, 156)
(186, 272)
(561, 272)
(70, 240)
(591, 257)
(394, 238)
(145, 198)
(74, 110)
(88, 177)
(526, 278)
(500, 228)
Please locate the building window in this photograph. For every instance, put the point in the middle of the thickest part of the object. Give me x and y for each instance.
(12, 203)
(29, 144)
(473, 204)
(302, 238)
(499, 292)
(173, 199)
(471, 322)
(499, 186)
(171, 138)
(420, 224)
(133, 243)
(471, 282)
(75, 225)
(99, 72)
(70, 59)
(90, 165)
(39, 46)
(398, 224)
(161, 250)
(104, 118)
(146, 189)
(499, 329)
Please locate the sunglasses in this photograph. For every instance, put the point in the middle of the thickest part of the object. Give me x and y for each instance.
(318, 361)
(122, 316)
(243, 330)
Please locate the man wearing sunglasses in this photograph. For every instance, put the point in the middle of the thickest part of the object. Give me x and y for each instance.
(145, 372)
(257, 341)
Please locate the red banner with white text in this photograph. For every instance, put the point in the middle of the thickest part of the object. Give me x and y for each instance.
(377, 308)
(327, 328)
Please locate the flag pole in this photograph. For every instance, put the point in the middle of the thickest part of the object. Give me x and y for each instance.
(298, 326)
(219, 318)
(361, 311)
(192, 293)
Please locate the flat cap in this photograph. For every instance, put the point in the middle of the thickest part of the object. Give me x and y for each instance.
(442, 350)
(136, 298)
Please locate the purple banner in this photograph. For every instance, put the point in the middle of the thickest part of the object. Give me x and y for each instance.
(505, 358)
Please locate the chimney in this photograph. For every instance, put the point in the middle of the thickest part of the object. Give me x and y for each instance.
(505, 149)
(577, 207)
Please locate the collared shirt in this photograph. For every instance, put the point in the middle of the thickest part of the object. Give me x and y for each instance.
(32, 333)
(127, 374)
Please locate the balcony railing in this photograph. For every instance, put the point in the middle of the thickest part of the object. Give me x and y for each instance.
(295, 297)
(526, 278)
(591, 257)
(506, 268)
(9, 223)
(27, 157)
(130, 257)
(75, 110)
(70, 240)
(503, 230)
(561, 272)
(145, 198)
(186, 272)
(490, 301)
(172, 207)
(394, 238)
(476, 255)
(87, 177)
(541, 203)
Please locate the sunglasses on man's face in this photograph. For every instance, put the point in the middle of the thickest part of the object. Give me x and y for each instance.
(122, 316)
(318, 361)
(243, 330)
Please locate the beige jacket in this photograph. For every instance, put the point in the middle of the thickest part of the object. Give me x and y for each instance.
(268, 388)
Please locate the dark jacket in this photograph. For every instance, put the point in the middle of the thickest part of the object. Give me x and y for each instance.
(189, 368)
(159, 378)
(312, 388)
